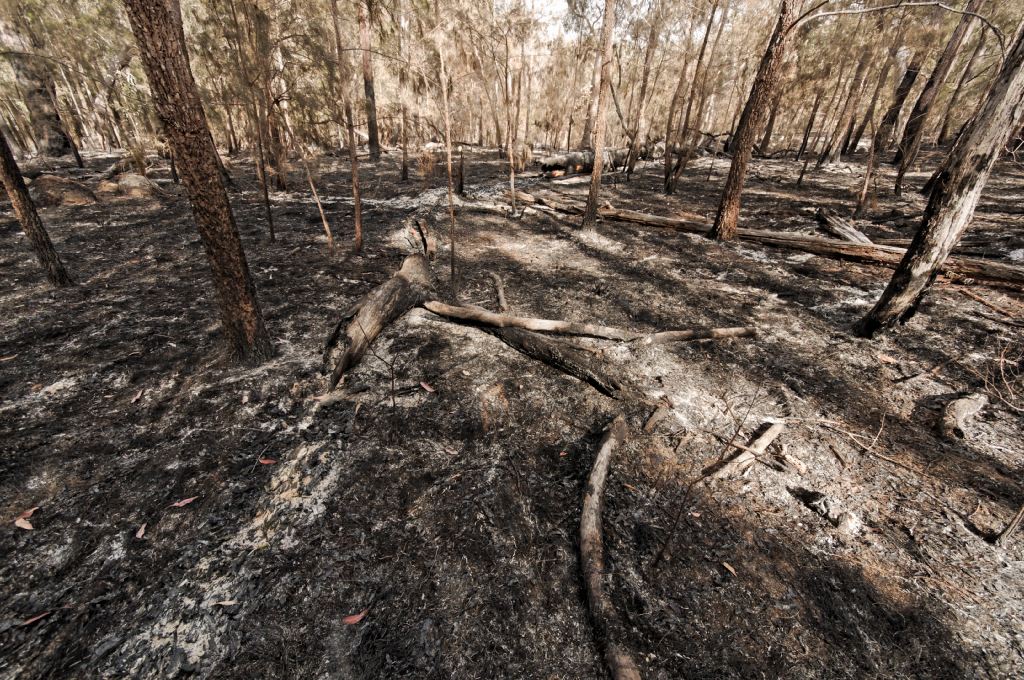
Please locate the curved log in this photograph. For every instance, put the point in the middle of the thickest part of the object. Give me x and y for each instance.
(605, 619)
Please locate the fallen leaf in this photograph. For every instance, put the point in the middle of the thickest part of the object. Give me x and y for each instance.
(225, 603)
(886, 359)
(427, 387)
(8, 358)
(29, 621)
(183, 502)
(28, 513)
(267, 461)
(563, 454)
(695, 515)
(23, 523)
(729, 568)
(141, 532)
(353, 619)
(138, 395)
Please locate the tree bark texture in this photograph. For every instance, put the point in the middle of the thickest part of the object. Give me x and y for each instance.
(178, 105)
(368, 89)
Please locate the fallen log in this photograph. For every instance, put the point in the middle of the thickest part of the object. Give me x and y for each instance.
(482, 316)
(830, 221)
(603, 615)
(384, 304)
(499, 287)
(750, 453)
(888, 256)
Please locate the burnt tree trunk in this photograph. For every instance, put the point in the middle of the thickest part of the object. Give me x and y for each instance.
(761, 93)
(955, 194)
(884, 133)
(605, 57)
(368, 89)
(25, 210)
(178, 105)
(913, 132)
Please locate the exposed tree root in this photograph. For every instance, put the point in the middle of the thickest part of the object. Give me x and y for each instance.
(605, 619)
(385, 303)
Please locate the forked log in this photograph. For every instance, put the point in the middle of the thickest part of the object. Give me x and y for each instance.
(830, 221)
(605, 619)
(888, 256)
(384, 304)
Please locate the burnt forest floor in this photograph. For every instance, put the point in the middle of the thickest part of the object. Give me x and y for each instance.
(425, 524)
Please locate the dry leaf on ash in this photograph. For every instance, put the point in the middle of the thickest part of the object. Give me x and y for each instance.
(183, 502)
(141, 532)
(353, 619)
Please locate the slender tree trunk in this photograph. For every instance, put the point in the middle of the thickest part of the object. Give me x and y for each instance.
(371, 97)
(178, 105)
(639, 140)
(604, 81)
(884, 133)
(670, 125)
(754, 113)
(830, 154)
(686, 134)
(954, 99)
(587, 139)
(353, 157)
(810, 123)
(25, 210)
(913, 132)
(869, 115)
(448, 160)
(766, 139)
(955, 193)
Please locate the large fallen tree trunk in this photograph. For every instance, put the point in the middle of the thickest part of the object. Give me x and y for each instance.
(385, 303)
(889, 256)
(605, 619)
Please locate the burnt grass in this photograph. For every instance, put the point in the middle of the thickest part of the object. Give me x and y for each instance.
(425, 524)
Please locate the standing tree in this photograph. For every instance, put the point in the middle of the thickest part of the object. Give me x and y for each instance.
(913, 132)
(753, 117)
(955, 193)
(179, 108)
(25, 210)
(371, 96)
(605, 55)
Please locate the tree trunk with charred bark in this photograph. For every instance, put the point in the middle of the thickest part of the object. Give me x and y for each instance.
(178, 105)
(605, 57)
(25, 210)
(955, 194)
(761, 93)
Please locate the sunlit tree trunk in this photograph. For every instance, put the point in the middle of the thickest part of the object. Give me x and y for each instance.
(754, 113)
(884, 133)
(178, 105)
(955, 194)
